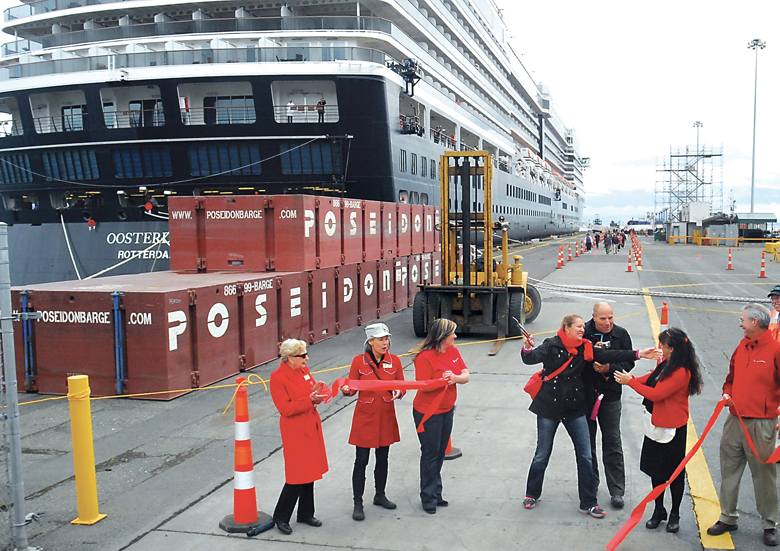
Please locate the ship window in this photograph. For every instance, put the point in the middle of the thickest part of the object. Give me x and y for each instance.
(414, 163)
(10, 120)
(565, 206)
(221, 159)
(305, 95)
(109, 115)
(402, 168)
(73, 117)
(424, 198)
(145, 113)
(149, 162)
(415, 198)
(312, 158)
(59, 111)
(20, 202)
(15, 169)
(70, 165)
(229, 110)
(433, 169)
(424, 167)
(403, 196)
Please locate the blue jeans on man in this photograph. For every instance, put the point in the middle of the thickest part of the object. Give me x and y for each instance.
(577, 427)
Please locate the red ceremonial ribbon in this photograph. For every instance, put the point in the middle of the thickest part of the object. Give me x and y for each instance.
(639, 510)
(361, 384)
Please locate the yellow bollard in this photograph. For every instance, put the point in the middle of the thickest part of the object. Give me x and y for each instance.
(83, 450)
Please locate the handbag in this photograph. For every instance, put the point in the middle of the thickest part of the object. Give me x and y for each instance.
(534, 384)
(657, 434)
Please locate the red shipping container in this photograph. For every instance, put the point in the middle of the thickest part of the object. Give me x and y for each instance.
(413, 276)
(159, 347)
(389, 230)
(436, 256)
(235, 232)
(427, 226)
(436, 229)
(385, 286)
(368, 292)
(426, 268)
(293, 300)
(372, 228)
(347, 303)
(352, 231)
(401, 283)
(307, 233)
(258, 305)
(322, 301)
(74, 336)
(418, 229)
(186, 225)
(405, 229)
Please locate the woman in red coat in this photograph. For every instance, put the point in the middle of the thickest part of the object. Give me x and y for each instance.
(295, 395)
(374, 424)
(666, 392)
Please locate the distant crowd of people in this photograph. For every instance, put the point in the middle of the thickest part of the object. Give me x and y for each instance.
(613, 240)
(585, 367)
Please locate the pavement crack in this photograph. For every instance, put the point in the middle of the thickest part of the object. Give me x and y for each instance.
(173, 460)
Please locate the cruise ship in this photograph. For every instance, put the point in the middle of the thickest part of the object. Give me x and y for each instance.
(108, 108)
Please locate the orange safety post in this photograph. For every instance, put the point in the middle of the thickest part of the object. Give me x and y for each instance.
(576, 250)
(630, 269)
(570, 252)
(763, 265)
(560, 258)
(639, 257)
(664, 318)
(731, 267)
(245, 518)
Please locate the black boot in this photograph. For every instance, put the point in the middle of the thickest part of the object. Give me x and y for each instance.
(655, 520)
(380, 481)
(358, 485)
(673, 525)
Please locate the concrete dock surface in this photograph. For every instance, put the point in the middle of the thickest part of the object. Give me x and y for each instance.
(164, 469)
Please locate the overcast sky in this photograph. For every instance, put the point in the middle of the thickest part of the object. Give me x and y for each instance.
(633, 77)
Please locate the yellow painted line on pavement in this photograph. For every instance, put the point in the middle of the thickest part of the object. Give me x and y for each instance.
(702, 284)
(706, 505)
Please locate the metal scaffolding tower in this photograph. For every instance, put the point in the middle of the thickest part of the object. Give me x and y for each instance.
(692, 175)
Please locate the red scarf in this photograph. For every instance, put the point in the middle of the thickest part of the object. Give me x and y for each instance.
(572, 345)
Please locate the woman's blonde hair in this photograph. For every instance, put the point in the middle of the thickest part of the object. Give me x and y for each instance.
(569, 320)
(291, 347)
(440, 330)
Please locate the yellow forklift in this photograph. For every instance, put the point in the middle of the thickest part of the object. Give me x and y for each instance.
(477, 293)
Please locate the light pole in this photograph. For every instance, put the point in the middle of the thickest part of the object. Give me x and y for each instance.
(754, 44)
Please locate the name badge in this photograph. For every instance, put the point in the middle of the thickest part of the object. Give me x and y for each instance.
(306, 377)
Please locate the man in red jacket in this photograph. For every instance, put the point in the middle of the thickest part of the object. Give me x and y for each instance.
(752, 390)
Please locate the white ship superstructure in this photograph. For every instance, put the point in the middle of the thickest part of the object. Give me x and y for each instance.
(111, 107)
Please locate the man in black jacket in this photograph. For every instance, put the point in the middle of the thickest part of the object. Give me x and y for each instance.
(602, 332)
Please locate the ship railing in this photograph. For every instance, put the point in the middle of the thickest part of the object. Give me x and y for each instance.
(134, 118)
(60, 123)
(10, 128)
(305, 113)
(218, 115)
(210, 26)
(439, 136)
(117, 62)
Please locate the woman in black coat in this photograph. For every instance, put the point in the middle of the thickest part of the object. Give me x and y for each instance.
(563, 399)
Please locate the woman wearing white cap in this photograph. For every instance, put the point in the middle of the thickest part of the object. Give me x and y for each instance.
(374, 424)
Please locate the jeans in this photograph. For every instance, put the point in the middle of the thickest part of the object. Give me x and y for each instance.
(578, 432)
(608, 420)
(433, 445)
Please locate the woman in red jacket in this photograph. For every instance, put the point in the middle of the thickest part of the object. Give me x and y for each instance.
(666, 392)
(374, 424)
(295, 394)
(437, 359)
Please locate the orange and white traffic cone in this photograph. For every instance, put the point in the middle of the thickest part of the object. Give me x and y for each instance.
(763, 265)
(569, 252)
(731, 267)
(664, 318)
(560, 258)
(452, 453)
(639, 257)
(576, 250)
(630, 269)
(245, 518)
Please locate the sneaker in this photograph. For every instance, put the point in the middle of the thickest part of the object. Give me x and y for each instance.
(529, 503)
(617, 502)
(595, 512)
